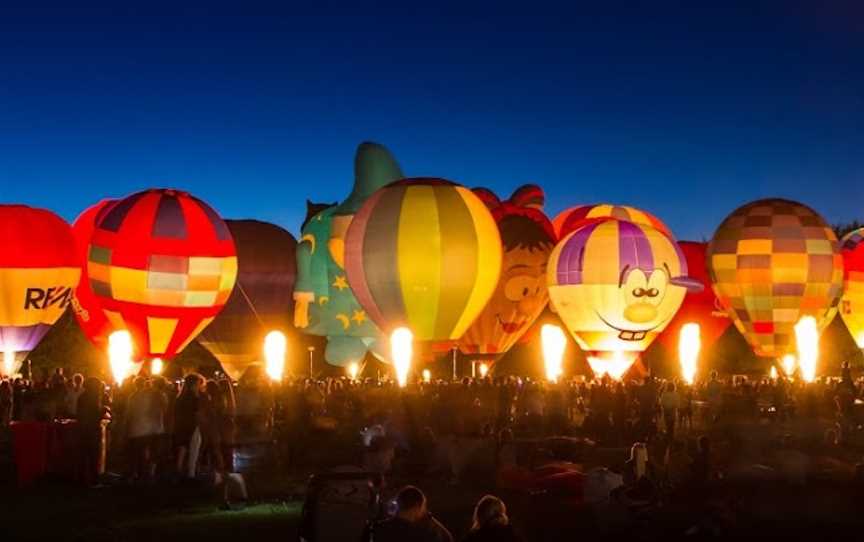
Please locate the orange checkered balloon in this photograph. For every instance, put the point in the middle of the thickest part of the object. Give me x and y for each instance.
(771, 262)
(161, 264)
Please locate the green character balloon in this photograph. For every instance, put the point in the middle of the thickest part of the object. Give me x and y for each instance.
(323, 302)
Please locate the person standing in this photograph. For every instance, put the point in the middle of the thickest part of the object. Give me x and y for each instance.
(670, 402)
(412, 521)
(187, 426)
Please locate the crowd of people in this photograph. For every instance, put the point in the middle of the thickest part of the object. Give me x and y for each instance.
(154, 430)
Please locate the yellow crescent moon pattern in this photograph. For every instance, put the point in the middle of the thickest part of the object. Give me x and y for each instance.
(311, 238)
(346, 322)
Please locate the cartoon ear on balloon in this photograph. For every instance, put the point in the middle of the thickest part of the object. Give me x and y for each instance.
(529, 195)
(488, 197)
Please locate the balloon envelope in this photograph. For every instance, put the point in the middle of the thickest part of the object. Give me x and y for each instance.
(616, 285)
(574, 217)
(772, 262)
(161, 264)
(89, 315)
(852, 302)
(261, 300)
(520, 296)
(701, 308)
(38, 271)
(425, 254)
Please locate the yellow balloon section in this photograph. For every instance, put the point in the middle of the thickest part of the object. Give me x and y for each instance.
(616, 285)
(425, 254)
(771, 263)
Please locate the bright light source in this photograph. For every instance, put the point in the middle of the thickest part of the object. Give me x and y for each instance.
(9, 367)
(788, 363)
(484, 370)
(773, 373)
(156, 366)
(807, 337)
(615, 364)
(689, 344)
(274, 352)
(427, 376)
(120, 355)
(554, 343)
(401, 350)
(353, 370)
(859, 340)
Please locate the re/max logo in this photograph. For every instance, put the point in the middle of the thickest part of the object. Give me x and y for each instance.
(40, 298)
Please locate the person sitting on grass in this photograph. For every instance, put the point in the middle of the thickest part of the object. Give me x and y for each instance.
(412, 521)
(491, 522)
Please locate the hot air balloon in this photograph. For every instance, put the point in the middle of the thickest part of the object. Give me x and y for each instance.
(161, 264)
(700, 308)
(324, 302)
(852, 302)
(574, 217)
(616, 285)
(521, 295)
(772, 262)
(38, 271)
(85, 306)
(425, 254)
(261, 301)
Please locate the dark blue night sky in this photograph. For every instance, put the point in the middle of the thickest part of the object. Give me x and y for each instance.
(684, 110)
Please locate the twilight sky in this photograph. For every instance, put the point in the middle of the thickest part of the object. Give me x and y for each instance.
(682, 109)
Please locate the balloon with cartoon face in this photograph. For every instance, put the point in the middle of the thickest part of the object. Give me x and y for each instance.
(521, 294)
(616, 285)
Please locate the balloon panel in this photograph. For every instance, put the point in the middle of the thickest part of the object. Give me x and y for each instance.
(617, 284)
(38, 270)
(521, 295)
(161, 264)
(852, 302)
(772, 262)
(261, 300)
(424, 253)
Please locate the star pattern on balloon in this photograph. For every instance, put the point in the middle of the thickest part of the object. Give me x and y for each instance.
(340, 283)
(359, 316)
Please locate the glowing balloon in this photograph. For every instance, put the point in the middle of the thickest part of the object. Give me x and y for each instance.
(521, 294)
(689, 344)
(616, 285)
(852, 302)
(162, 265)
(261, 300)
(89, 315)
(426, 254)
(325, 304)
(575, 217)
(701, 308)
(38, 272)
(772, 262)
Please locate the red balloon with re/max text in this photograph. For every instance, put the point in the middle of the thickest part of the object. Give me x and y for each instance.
(699, 307)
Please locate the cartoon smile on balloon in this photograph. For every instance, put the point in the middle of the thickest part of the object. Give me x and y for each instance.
(616, 284)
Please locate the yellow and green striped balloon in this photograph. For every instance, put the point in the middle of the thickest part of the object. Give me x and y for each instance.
(423, 253)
